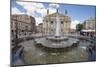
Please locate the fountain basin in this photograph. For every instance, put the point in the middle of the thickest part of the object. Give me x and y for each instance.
(57, 39)
(57, 42)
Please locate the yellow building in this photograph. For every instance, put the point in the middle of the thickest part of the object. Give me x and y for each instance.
(49, 23)
(22, 24)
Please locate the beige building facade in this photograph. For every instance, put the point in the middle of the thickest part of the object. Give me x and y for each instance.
(40, 28)
(22, 24)
(90, 24)
(49, 23)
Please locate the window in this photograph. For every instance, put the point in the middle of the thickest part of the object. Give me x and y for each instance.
(61, 22)
(51, 22)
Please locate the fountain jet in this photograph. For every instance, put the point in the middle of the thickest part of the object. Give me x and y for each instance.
(57, 33)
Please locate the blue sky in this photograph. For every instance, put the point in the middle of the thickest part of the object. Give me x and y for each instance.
(77, 13)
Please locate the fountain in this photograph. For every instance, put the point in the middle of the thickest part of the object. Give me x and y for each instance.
(57, 41)
(55, 54)
(55, 49)
(57, 34)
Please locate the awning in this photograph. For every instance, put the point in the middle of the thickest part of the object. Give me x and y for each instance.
(88, 30)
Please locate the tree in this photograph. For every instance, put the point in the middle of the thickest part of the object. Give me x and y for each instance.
(79, 27)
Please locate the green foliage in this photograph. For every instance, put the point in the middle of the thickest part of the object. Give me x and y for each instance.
(79, 27)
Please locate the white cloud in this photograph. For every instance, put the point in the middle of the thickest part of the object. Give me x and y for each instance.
(33, 8)
(53, 8)
(16, 11)
(38, 20)
(74, 23)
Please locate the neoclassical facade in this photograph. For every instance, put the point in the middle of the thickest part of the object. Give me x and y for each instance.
(49, 23)
(22, 24)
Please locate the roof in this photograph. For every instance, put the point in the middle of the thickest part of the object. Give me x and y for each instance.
(66, 17)
(55, 14)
